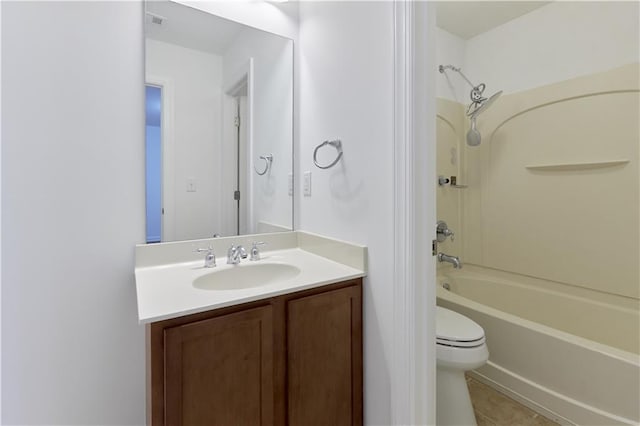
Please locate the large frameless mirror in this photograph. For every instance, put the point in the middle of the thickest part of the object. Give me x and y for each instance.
(219, 126)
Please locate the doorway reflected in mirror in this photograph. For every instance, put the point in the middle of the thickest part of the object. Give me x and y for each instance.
(153, 150)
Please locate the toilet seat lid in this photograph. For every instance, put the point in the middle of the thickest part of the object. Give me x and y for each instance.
(454, 329)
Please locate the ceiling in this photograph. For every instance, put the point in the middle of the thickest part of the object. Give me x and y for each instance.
(194, 29)
(191, 28)
(467, 19)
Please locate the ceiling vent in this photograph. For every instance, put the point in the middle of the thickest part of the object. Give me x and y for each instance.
(152, 18)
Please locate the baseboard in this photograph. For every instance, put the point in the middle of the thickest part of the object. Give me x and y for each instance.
(542, 400)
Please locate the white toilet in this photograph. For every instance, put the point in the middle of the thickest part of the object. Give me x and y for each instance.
(460, 346)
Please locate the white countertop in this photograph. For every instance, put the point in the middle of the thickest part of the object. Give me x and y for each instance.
(166, 290)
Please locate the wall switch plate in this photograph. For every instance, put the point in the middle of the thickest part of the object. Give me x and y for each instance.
(290, 183)
(191, 184)
(306, 184)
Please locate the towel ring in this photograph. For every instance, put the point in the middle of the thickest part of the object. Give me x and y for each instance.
(337, 144)
(268, 159)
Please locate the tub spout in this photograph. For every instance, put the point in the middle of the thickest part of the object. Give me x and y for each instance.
(454, 260)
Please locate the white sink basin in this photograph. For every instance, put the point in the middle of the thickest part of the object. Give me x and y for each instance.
(245, 275)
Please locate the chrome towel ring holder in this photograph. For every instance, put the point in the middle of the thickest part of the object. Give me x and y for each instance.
(268, 159)
(337, 144)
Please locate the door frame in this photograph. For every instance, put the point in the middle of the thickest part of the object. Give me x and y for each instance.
(241, 77)
(167, 231)
(413, 363)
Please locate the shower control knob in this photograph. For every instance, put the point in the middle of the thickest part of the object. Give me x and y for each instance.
(443, 231)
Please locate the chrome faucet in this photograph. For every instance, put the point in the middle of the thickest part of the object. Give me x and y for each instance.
(236, 253)
(210, 257)
(454, 260)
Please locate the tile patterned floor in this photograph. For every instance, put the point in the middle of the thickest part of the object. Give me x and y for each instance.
(495, 409)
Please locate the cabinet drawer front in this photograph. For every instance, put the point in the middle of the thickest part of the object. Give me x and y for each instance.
(324, 354)
(219, 371)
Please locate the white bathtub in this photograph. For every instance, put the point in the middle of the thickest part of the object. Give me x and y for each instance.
(537, 356)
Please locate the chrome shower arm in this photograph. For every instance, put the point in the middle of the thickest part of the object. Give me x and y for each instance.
(442, 69)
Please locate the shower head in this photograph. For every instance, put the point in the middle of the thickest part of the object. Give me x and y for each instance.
(478, 105)
(477, 108)
(473, 135)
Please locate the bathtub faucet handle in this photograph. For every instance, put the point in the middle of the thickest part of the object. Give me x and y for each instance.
(443, 231)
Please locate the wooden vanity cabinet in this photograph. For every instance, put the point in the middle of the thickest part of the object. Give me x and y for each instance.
(220, 370)
(293, 360)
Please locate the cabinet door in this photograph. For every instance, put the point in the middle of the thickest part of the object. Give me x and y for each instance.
(324, 358)
(219, 371)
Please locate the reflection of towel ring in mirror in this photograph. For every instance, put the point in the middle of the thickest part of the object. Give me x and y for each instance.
(337, 144)
(268, 159)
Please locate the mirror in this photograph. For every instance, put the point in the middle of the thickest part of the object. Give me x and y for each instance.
(219, 126)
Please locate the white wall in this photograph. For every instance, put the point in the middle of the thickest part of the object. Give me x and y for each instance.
(196, 78)
(272, 120)
(450, 50)
(73, 208)
(346, 62)
(557, 42)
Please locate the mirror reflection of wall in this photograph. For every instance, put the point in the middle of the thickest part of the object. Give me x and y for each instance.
(225, 93)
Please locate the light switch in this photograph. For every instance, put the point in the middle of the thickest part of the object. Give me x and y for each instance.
(306, 184)
(191, 184)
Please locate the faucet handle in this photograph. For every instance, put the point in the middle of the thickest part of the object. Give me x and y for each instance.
(210, 258)
(202, 250)
(255, 253)
(443, 231)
